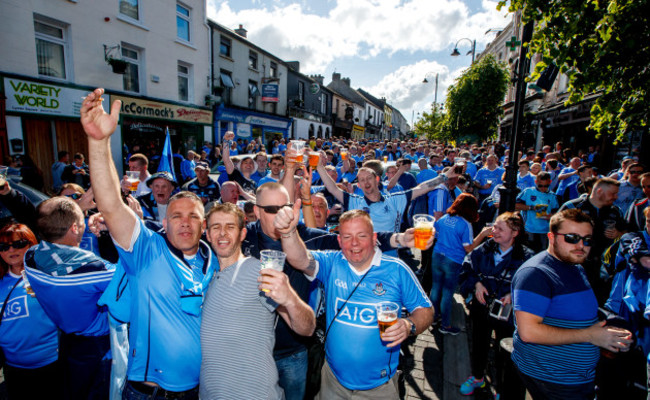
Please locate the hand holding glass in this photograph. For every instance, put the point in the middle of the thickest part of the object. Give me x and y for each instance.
(423, 224)
(272, 259)
(133, 177)
(387, 313)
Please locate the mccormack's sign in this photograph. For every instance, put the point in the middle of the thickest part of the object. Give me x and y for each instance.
(158, 110)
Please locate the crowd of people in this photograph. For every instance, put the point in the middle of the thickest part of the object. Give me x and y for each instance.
(163, 291)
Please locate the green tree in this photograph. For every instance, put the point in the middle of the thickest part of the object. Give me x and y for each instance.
(430, 125)
(604, 47)
(474, 101)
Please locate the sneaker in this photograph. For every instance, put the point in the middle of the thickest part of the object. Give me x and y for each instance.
(449, 330)
(470, 384)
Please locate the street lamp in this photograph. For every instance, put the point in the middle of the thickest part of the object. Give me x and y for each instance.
(435, 94)
(456, 53)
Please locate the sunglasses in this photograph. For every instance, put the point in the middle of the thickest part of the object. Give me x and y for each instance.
(16, 244)
(74, 196)
(574, 238)
(543, 186)
(274, 209)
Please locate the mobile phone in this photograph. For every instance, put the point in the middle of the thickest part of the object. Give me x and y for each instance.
(500, 311)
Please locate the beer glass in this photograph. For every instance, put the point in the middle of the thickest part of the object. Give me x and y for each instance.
(314, 158)
(385, 159)
(387, 313)
(423, 224)
(133, 177)
(344, 154)
(271, 259)
(299, 147)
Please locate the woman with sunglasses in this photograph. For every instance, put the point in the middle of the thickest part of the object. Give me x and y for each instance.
(485, 280)
(28, 338)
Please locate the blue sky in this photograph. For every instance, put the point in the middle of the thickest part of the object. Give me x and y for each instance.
(385, 47)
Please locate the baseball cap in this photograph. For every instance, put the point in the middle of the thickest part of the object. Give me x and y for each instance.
(202, 164)
(164, 175)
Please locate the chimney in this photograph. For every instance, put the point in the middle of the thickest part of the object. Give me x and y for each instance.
(241, 31)
(318, 78)
(336, 76)
(294, 65)
(346, 81)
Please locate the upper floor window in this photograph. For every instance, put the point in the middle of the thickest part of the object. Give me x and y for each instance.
(253, 93)
(51, 44)
(130, 8)
(323, 104)
(184, 81)
(225, 47)
(301, 90)
(183, 22)
(273, 71)
(131, 78)
(252, 59)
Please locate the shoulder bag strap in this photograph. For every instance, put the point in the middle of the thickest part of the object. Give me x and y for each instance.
(346, 301)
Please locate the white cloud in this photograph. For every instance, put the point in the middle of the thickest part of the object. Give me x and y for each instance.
(363, 28)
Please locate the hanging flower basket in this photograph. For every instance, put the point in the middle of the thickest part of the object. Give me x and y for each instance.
(119, 66)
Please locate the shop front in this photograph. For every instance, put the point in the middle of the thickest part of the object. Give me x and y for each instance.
(41, 119)
(250, 125)
(144, 123)
(358, 132)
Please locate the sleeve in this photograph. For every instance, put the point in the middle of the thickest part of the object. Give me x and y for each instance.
(142, 250)
(467, 236)
(478, 176)
(324, 262)
(401, 200)
(523, 196)
(468, 275)
(531, 291)
(21, 208)
(383, 238)
(413, 296)
(554, 203)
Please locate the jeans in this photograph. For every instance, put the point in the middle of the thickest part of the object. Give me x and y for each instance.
(542, 390)
(130, 393)
(292, 371)
(34, 384)
(85, 365)
(444, 272)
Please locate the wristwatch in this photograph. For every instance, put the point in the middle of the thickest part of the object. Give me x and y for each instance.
(413, 327)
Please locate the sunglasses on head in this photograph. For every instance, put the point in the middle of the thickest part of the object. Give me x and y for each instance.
(16, 244)
(274, 209)
(574, 238)
(74, 196)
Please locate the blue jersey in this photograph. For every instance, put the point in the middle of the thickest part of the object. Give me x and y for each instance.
(525, 182)
(484, 175)
(28, 337)
(560, 294)
(354, 350)
(425, 175)
(440, 199)
(386, 214)
(256, 176)
(471, 169)
(266, 179)
(452, 233)
(566, 182)
(544, 204)
(167, 291)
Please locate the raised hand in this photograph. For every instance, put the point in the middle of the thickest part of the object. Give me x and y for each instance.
(287, 218)
(96, 122)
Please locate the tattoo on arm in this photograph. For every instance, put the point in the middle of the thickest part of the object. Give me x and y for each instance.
(311, 266)
(432, 183)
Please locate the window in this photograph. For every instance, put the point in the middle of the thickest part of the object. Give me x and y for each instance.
(225, 47)
(273, 71)
(183, 22)
(337, 106)
(253, 93)
(130, 8)
(252, 59)
(227, 85)
(323, 104)
(301, 91)
(50, 48)
(184, 82)
(131, 78)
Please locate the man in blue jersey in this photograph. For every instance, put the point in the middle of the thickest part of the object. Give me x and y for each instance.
(167, 274)
(557, 331)
(539, 204)
(359, 362)
(488, 177)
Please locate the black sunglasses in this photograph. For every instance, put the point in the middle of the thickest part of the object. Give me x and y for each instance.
(74, 196)
(273, 209)
(543, 186)
(16, 244)
(574, 238)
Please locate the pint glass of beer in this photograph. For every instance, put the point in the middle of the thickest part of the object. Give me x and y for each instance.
(423, 224)
(271, 259)
(133, 177)
(344, 154)
(314, 157)
(387, 313)
(299, 147)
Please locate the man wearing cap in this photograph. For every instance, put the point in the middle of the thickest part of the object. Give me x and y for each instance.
(203, 186)
(154, 204)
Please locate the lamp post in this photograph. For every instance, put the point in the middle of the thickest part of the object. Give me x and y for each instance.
(456, 53)
(435, 93)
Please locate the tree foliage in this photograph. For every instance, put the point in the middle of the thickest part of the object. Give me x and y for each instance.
(603, 46)
(430, 125)
(473, 104)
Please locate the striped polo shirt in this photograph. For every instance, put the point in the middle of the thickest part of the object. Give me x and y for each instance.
(560, 294)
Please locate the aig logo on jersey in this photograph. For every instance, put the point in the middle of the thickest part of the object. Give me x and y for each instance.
(16, 308)
(362, 315)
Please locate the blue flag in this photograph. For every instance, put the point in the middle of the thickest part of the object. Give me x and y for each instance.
(167, 159)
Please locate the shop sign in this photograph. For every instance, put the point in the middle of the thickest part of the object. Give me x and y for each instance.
(314, 88)
(158, 110)
(252, 119)
(270, 92)
(243, 131)
(44, 98)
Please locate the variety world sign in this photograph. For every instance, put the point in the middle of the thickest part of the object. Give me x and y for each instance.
(158, 110)
(44, 98)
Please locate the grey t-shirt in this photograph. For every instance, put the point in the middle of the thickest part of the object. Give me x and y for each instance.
(237, 337)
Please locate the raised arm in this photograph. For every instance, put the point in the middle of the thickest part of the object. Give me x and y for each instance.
(427, 186)
(400, 171)
(225, 152)
(286, 222)
(305, 197)
(99, 126)
(328, 182)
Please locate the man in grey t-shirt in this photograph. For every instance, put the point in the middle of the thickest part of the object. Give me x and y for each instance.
(237, 328)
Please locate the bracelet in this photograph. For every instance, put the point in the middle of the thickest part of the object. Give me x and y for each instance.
(306, 204)
(288, 235)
